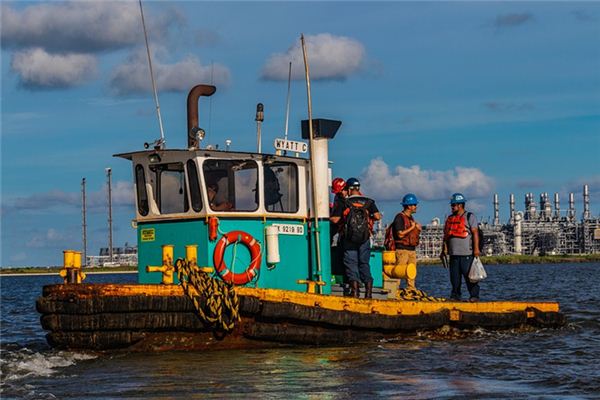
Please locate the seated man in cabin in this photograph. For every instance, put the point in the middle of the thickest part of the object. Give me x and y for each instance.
(212, 189)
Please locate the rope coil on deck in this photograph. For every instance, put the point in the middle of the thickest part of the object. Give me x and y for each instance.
(414, 294)
(215, 301)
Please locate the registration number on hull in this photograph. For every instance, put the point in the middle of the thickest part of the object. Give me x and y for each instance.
(290, 229)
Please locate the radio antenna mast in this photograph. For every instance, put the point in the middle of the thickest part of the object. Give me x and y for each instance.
(287, 105)
(161, 142)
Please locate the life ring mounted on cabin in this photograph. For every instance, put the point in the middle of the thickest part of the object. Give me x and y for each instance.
(253, 246)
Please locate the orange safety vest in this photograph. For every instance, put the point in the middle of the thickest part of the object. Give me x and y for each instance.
(456, 226)
(412, 237)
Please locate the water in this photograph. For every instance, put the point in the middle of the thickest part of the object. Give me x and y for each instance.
(538, 364)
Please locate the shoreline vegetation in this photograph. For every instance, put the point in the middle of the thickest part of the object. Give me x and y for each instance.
(487, 260)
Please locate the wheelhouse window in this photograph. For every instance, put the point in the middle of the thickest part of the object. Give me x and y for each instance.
(169, 187)
(194, 184)
(142, 193)
(281, 187)
(231, 184)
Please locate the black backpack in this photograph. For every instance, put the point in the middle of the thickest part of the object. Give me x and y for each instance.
(480, 231)
(357, 229)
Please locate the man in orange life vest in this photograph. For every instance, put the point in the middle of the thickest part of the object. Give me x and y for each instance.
(406, 234)
(358, 215)
(461, 241)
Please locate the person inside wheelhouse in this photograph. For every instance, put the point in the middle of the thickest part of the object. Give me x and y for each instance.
(212, 190)
(230, 184)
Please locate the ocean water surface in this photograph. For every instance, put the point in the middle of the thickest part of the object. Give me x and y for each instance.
(520, 364)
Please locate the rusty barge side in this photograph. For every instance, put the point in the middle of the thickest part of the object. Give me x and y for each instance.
(161, 317)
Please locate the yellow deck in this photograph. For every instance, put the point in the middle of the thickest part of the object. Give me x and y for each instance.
(384, 307)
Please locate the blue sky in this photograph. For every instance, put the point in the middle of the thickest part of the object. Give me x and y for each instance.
(435, 97)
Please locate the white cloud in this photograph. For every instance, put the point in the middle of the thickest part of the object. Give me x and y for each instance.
(81, 26)
(46, 239)
(133, 76)
(379, 182)
(330, 57)
(122, 195)
(40, 70)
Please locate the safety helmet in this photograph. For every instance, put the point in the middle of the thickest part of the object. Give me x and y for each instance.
(352, 182)
(410, 200)
(337, 185)
(458, 198)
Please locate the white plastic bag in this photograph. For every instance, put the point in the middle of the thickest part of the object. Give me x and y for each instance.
(477, 272)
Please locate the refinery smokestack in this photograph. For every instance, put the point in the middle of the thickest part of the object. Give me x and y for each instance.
(512, 208)
(517, 233)
(571, 212)
(586, 202)
(496, 210)
(547, 207)
(531, 209)
(556, 206)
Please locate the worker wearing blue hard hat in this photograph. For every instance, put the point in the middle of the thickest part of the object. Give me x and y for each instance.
(406, 232)
(458, 198)
(410, 200)
(461, 242)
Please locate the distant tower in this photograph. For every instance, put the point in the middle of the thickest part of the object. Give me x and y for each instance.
(586, 202)
(556, 206)
(512, 208)
(546, 207)
(496, 210)
(110, 244)
(518, 232)
(530, 207)
(84, 222)
(571, 212)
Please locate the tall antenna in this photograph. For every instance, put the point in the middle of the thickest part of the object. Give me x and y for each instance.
(110, 245)
(84, 224)
(160, 124)
(311, 159)
(287, 104)
(212, 70)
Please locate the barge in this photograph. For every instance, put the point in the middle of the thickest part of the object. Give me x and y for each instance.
(235, 251)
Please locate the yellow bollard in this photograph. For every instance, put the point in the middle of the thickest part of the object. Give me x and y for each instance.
(167, 268)
(311, 286)
(191, 256)
(389, 262)
(76, 259)
(68, 258)
(71, 272)
(397, 271)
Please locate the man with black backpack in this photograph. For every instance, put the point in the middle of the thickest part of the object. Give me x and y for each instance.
(357, 215)
(461, 241)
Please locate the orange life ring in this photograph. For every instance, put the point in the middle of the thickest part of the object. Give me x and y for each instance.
(253, 246)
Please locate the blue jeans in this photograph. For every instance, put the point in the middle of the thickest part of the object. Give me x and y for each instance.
(356, 262)
(459, 268)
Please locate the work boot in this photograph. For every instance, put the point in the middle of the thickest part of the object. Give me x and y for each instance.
(354, 289)
(369, 290)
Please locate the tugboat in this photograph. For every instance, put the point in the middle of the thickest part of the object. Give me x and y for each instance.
(234, 252)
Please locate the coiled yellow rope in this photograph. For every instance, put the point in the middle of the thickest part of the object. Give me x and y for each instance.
(215, 301)
(414, 294)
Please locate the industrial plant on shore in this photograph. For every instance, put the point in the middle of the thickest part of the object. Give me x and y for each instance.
(543, 231)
